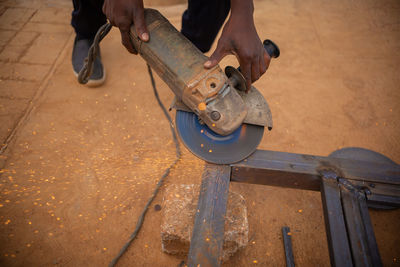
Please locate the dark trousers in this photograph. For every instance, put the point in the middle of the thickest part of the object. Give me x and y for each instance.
(200, 22)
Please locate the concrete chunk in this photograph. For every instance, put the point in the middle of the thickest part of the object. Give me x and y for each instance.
(179, 208)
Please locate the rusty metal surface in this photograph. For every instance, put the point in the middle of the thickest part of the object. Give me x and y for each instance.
(168, 52)
(258, 111)
(342, 182)
(287, 244)
(360, 232)
(335, 225)
(208, 233)
(262, 163)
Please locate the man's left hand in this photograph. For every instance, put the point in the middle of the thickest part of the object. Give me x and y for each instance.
(239, 37)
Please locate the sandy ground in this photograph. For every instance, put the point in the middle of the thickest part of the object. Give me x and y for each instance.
(82, 162)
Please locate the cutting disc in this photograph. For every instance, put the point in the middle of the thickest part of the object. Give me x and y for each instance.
(215, 148)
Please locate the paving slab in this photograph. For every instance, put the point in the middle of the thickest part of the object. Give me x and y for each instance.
(23, 71)
(84, 161)
(5, 36)
(45, 48)
(18, 46)
(11, 89)
(40, 27)
(14, 18)
(53, 15)
(11, 110)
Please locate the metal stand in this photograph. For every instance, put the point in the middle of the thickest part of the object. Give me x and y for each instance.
(347, 185)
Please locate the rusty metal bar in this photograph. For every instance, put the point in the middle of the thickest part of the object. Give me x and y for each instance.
(208, 232)
(346, 186)
(303, 171)
(359, 228)
(369, 232)
(338, 243)
(287, 243)
(384, 200)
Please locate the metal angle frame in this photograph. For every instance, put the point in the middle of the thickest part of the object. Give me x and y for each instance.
(347, 186)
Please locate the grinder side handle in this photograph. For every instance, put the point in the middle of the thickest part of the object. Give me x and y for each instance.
(271, 48)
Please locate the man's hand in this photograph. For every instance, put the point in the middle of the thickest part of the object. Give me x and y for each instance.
(239, 37)
(124, 13)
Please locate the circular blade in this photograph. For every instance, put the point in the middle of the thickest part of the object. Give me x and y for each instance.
(215, 148)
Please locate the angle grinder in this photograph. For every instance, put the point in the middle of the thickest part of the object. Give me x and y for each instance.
(216, 120)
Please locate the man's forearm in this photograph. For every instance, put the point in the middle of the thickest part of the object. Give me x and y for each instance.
(242, 8)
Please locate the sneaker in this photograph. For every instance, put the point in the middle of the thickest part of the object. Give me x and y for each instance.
(79, 53)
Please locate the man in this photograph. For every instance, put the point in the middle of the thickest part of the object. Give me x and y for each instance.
(200, 24)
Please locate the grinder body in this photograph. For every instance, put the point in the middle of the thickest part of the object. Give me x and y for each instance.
(206, 92)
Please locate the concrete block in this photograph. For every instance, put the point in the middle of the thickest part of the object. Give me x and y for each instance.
(179, 208)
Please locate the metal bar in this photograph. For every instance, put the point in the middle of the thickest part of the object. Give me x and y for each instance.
(359, 228)
(303, 171)
(369, 233)
(378, 194)
(338, 243)
(276, 178)
(384, 200)
(378, 188)
(287, 243)
(208, 233)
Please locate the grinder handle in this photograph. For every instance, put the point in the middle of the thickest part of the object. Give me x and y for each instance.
(271, 48)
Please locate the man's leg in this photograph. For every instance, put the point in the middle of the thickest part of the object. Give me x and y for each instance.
(87, 18)
(202, 20)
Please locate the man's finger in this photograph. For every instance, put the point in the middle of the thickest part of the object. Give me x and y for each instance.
(126, 41)
(215, 58)
(255, 70)
(262, 65)
(140, 24)
(246, 71)
(267, 59)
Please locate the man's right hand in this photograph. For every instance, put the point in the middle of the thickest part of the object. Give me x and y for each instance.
(124, 13)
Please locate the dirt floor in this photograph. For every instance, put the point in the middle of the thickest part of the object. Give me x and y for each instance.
(78, 163)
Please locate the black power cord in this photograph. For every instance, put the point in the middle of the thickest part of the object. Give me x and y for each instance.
(83, 78)
(160, 182)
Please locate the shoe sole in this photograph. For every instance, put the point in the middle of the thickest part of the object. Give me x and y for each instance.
(93, 83)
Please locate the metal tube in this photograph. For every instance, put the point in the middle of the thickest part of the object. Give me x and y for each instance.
(287, 243)
(208, 232)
